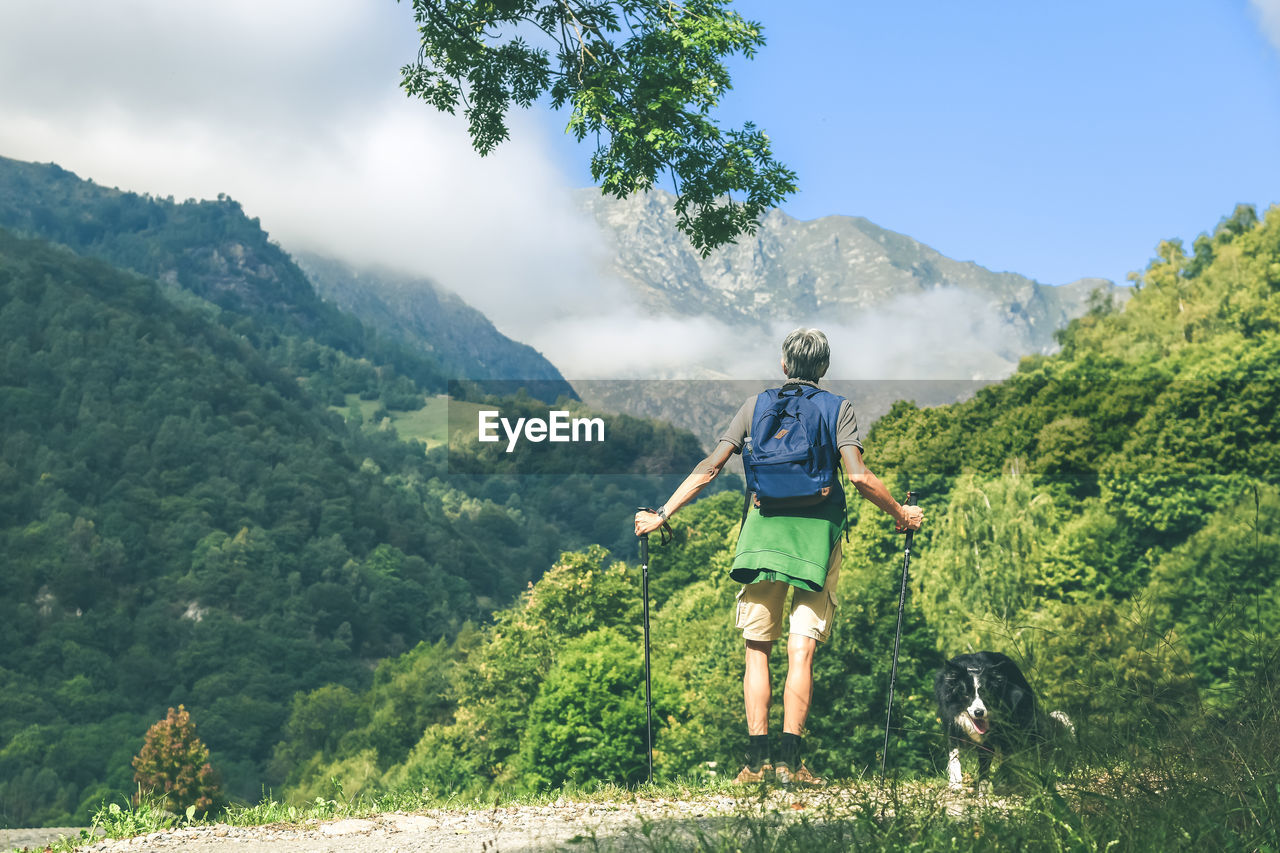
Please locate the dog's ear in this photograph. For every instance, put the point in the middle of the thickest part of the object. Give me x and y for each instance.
(1022, 703)
(949, 679)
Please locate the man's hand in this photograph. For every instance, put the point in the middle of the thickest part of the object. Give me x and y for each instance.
(647, 522)
(912, 518)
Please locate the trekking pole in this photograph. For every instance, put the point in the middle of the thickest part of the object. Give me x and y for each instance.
(897, 637)
(648, 694)
(664, 536)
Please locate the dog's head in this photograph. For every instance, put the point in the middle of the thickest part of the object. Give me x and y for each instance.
(979, 692)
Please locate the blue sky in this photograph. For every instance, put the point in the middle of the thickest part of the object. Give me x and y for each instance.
(1056, 140)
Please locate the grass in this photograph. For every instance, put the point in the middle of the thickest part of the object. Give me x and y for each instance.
(430, 425)
(1134, 806)
(928, 817)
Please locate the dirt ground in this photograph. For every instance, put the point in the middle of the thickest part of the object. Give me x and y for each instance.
(34, 839)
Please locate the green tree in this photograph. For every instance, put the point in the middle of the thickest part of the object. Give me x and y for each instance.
(316, 722)
(640, 76)
(500, 671)
(182, 517)
(989, 561)
(1220, 589)
(588, 720)
(174, 763)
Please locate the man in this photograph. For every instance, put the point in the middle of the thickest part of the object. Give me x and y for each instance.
(787, 550)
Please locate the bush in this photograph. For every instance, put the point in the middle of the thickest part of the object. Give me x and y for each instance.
(588, 720)
(174, 764)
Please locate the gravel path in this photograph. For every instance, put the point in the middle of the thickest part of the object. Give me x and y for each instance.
(35, 839)
(564, 825)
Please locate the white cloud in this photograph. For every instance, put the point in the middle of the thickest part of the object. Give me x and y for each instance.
(293, 108)
(623, 344)
(938, 334)
(946, 333)
(1268, 12)
(230, 61)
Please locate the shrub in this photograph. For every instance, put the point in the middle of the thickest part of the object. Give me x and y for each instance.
(174, 764)
(588, 720)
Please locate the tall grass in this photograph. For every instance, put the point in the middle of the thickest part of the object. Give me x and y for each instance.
(1195, 778)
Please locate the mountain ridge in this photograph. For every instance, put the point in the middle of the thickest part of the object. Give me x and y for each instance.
(834, 268)
(416, 311)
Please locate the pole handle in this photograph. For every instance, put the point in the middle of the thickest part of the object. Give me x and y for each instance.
(910, 501)
(644, 549)
(664, 532)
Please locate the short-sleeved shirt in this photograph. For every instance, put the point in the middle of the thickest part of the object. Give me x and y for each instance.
(846, 423)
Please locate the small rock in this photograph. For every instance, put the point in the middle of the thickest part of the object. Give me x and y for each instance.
(348, 827)
(414, 823)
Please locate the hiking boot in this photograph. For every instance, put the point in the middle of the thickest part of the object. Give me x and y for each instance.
(747, 776)
(788, 777)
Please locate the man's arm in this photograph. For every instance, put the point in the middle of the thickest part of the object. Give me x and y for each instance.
(702, 474)
(871, 488)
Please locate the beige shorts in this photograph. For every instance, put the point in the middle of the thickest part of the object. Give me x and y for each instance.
(760, 607)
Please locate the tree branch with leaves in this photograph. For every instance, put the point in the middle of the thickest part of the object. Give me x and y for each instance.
(640, 76)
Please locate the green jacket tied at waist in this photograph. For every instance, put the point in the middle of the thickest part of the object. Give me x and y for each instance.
(793, 547)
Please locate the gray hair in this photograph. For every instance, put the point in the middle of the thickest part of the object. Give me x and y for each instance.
(806, 354)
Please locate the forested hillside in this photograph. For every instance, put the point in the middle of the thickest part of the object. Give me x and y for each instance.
(183, 521)
(1122, 493)
(1109, 516)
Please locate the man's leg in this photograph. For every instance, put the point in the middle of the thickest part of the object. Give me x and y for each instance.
(757, 692)
(812, 612)
(811, 615)
(799, 688)
(760, 620)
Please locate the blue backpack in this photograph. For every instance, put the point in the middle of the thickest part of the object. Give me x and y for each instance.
(790, 456)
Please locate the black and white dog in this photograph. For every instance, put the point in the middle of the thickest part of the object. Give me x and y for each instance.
(985, 702)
